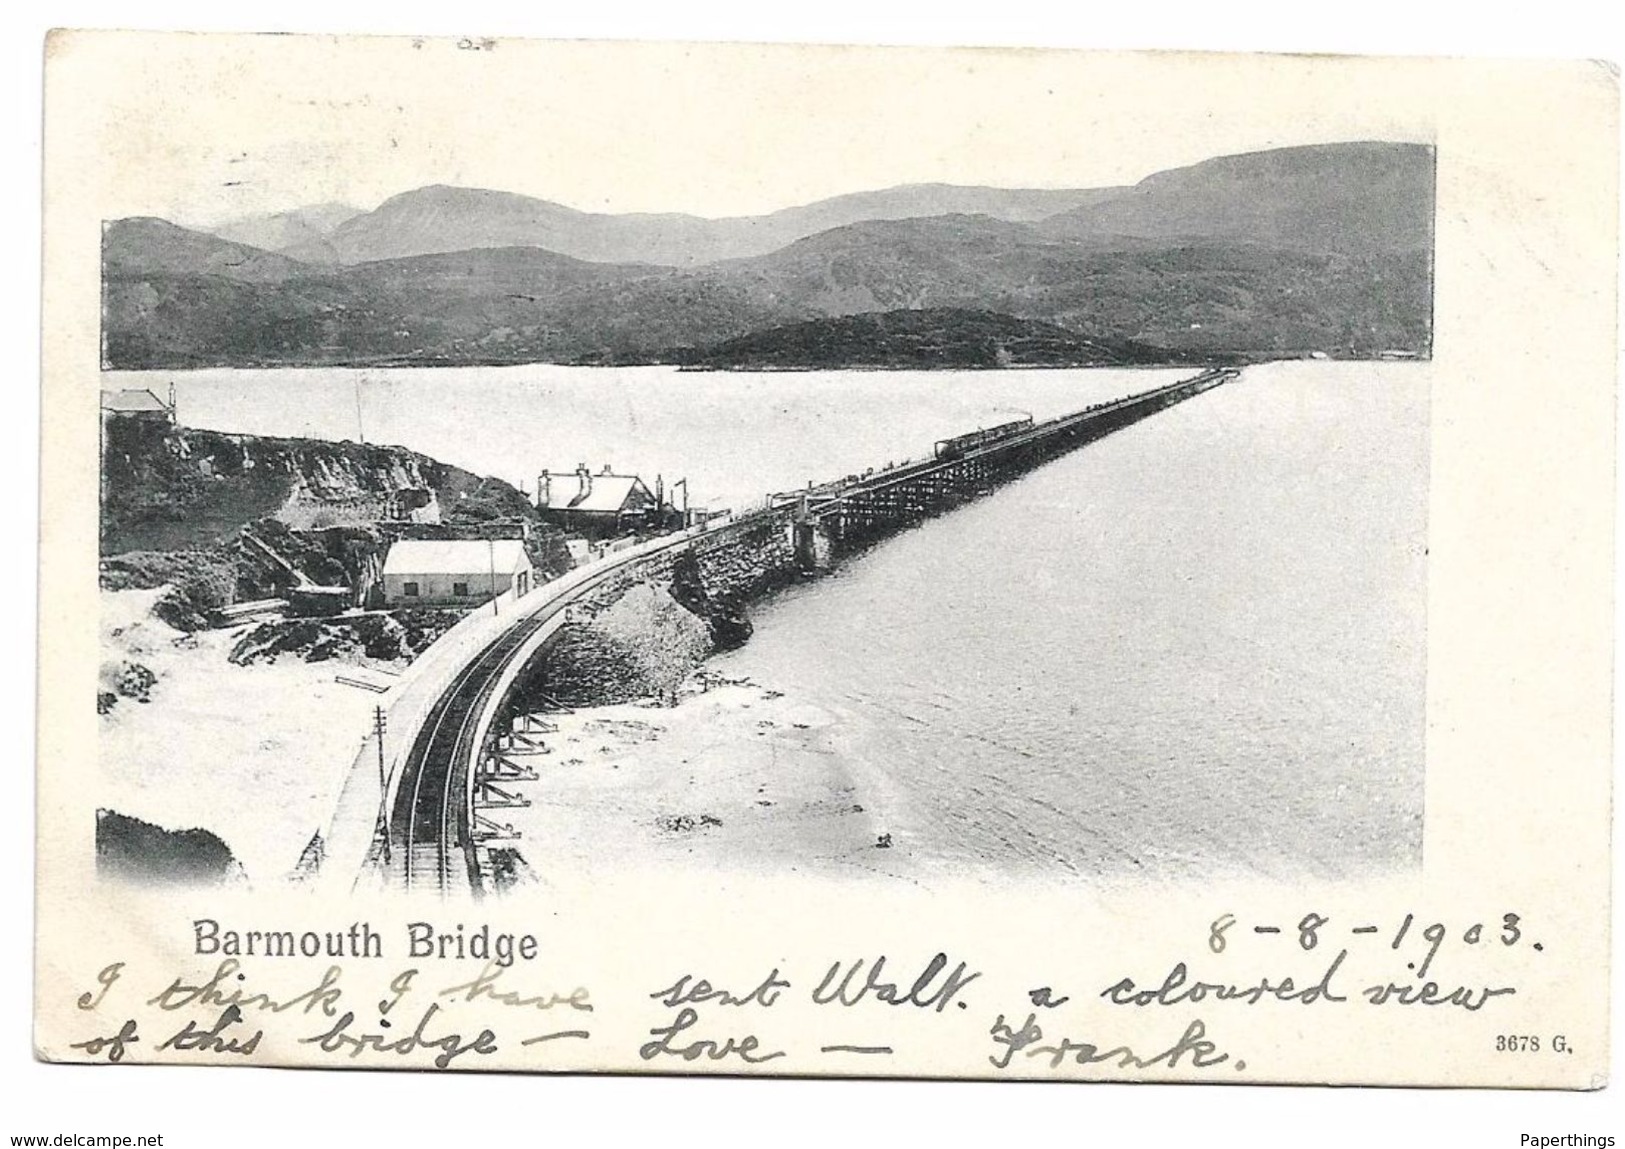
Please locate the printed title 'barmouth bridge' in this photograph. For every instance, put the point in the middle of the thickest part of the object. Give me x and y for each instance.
(424, 816)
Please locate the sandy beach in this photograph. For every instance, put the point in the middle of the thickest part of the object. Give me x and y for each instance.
(253, 754)
(736, 775)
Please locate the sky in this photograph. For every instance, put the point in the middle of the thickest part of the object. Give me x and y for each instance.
(201, 129)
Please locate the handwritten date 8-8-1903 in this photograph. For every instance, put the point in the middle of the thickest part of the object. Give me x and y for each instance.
(1313, 928)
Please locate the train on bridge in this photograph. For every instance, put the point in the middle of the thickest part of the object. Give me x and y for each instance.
(434, 827)
(946, 449)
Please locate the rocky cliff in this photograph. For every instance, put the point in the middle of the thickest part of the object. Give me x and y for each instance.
(167, 488)
(177, 502)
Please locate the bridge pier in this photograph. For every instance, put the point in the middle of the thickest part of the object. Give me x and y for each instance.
(849, 516)
(449, 793)
(815, 542)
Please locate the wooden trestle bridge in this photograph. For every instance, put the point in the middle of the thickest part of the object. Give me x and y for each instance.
(462, 750)
(837, 518)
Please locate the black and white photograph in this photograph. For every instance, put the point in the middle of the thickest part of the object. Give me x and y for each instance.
(1065, 533)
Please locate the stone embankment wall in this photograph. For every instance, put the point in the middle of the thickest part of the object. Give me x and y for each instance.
(641, 633)
(747, 559)
(737, 561)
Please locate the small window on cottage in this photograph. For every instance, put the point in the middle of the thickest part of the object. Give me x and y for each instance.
(410, 589)
(460, 589)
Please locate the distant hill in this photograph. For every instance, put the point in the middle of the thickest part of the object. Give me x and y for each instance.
(908, 201)
(178, 298)
(517, 305)
(442, 219)
(1353, 198)
(879, 265)
(305, 227)
(1227, 299)
(942, 337)
(1281, 253)
(145, 246)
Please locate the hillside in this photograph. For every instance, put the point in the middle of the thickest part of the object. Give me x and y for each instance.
(145, 247)
(438, 219)
(1355, 198)
(177, 504)
(522, 305)
(933, 338)
(181, 489)
(1279, 253)
(477, 306)
(305, 227)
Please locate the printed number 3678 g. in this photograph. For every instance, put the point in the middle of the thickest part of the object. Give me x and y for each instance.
(1517, 1043)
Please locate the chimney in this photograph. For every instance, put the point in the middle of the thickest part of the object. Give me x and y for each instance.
(584, 477)
(544, 490)
(608, 470)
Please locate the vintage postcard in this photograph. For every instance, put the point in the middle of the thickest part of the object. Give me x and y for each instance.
(831, 561)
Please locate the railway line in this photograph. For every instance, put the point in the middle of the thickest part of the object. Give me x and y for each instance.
(1012, 438)
(429, 827)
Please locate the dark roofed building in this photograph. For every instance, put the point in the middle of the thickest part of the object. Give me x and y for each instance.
(605, 503)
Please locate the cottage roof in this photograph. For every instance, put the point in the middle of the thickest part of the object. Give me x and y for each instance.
(455, 556)
(133, 402)
(608, 494)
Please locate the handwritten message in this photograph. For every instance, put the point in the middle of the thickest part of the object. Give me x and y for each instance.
(457, 998)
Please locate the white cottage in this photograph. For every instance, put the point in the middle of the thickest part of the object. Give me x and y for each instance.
(455, 572)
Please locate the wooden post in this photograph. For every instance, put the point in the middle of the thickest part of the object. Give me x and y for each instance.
(491, 554)
(379, 724)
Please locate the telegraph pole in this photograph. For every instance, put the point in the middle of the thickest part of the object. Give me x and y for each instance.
(491, 554)
(379, 724)
(683, 483)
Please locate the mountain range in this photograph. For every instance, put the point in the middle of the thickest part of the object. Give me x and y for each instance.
(283, 231)
(1318, 248)
(439, 219)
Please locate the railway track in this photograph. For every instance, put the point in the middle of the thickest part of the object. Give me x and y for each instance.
(431, 832)
(1049, 430)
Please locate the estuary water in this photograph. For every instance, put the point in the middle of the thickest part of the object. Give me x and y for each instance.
(733, 435)
(1194, 647)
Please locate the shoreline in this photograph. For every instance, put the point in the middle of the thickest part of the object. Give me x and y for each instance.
(739, 775)
(256, 755)
(1236, 359)
(734, 773)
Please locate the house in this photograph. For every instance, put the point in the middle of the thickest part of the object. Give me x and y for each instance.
(601, 504)
(455, 572)
(142, 406)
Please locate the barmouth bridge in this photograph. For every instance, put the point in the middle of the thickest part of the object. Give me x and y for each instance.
(425, 811)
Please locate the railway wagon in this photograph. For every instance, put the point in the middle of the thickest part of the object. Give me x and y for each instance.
(945, 449)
